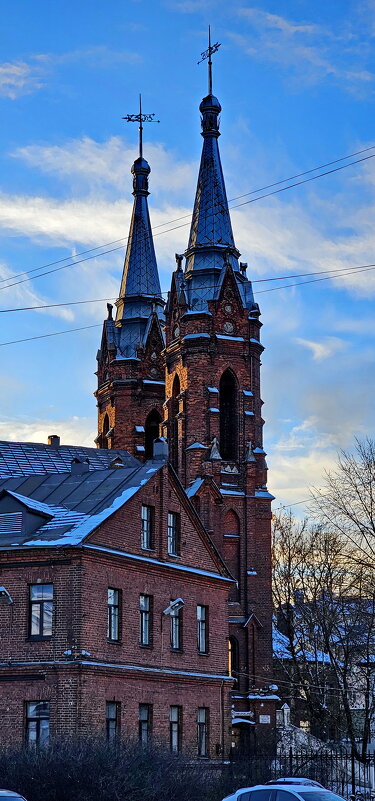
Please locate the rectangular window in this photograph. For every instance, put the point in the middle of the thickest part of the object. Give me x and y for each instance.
(176, 629)
(202, 629)
(147, 526)
(41, 610)
(202, 731)
(37, 722)
(145, 723)
(112, 719)
(175, 728)
(173, 533)
(113, 616)
(145, 620)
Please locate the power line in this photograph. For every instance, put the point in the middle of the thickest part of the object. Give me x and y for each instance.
(83, 328)
(54, 334)
(125, 239)
(339, 272)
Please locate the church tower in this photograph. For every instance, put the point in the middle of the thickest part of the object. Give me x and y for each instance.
(131, 388)
(213, 423)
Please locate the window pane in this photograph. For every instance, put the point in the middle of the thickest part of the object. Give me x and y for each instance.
(38, 709)
(47, 618)
(41, 592)
(44, 731)
(174, 713)
(35, 619)
(113, 596)
(31, 731)
(144, 603)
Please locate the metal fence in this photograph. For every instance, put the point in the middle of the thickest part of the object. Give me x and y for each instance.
(337, 770)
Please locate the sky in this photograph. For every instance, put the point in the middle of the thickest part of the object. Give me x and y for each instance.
(296, 81)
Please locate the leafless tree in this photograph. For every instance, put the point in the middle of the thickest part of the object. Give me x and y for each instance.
(325, 602)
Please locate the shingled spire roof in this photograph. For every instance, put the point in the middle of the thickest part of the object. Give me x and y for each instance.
(211, 248)
(140, 294)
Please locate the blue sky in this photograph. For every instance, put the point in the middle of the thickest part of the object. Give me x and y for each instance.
(296, 81)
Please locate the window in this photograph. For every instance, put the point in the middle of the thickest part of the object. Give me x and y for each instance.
(145, 620)
(41, 609)
(233, 659)
(37, 722)
(152, 426)
(175, 728)
(202, 619)
(228, 416)
(145, 723)
(147, 526)
(173, 423)
(112, 719)
(113, 619)
(105, 427)
(173, 533)
(202, 731)
(176, 629)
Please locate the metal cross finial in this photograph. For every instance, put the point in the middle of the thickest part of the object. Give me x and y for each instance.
(207, 54)
(141, 118)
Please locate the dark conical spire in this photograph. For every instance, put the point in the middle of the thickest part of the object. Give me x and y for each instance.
(211, 248)
(140, 293)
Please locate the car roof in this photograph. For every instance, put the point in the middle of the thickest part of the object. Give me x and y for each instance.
(292, 788)
(11, 793)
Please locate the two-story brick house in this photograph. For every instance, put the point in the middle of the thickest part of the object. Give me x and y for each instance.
(93, 553)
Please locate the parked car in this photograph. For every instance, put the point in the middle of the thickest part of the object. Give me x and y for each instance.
(9, 795)
(295, 780)
(289, 792)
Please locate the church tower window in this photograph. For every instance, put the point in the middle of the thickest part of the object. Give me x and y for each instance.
(228, 416)
(152, 426)
(174, 422)
(105, 431)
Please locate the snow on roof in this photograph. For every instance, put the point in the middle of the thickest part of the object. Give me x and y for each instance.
(213, 389)
(194, 487)
(280, 646)
(248, 393)
(232, 339)
(196, 446)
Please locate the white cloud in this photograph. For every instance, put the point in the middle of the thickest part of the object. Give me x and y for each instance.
(329, 346)
(72, 431)
(309, 52)
(19, 78)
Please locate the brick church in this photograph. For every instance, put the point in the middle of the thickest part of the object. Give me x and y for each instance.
(138, 573)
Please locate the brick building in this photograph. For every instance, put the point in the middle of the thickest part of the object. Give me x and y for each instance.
(192, 372)
(139, 573)
(94, 551)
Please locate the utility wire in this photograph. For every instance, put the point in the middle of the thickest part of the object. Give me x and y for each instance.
(83, 328)
(184, 216)
(124, 239)
(338, 273)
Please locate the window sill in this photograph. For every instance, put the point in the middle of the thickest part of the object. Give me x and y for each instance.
(148, 549)
(175, 555)
(203, 653)
(114, 642)
(39, 637)
(146, 647)
(177, 650)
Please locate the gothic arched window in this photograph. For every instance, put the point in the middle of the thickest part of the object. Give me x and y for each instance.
(105, 431)
(233, 658)
(228, 416)
(152, 424)
(174, 422)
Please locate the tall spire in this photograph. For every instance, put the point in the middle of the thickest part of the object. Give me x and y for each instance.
(211, 235)
(140, 292)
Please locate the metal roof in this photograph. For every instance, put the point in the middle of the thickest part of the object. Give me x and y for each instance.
(36, 458)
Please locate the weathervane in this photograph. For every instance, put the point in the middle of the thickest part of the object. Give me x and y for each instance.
(207, 54)
(141, 118)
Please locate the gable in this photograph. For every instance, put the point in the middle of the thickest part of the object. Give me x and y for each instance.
(17, 521)
(164, 494)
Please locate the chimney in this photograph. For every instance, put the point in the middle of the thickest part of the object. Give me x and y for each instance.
(78, 466)
(160, 450)
(54, 440)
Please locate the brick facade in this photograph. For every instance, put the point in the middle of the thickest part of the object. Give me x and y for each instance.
(78, 663)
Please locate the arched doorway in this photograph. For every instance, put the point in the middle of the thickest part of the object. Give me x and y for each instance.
(152, 428)
(228, 416)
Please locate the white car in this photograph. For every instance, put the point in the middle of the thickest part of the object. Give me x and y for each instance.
(9, 795)
(289, 792)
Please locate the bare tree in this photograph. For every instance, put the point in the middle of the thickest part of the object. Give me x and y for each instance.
(325, 602)
(346, 504)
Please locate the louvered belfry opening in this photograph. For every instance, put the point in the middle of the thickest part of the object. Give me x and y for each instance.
(228, 416)
(174, 422)
(152, 429)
